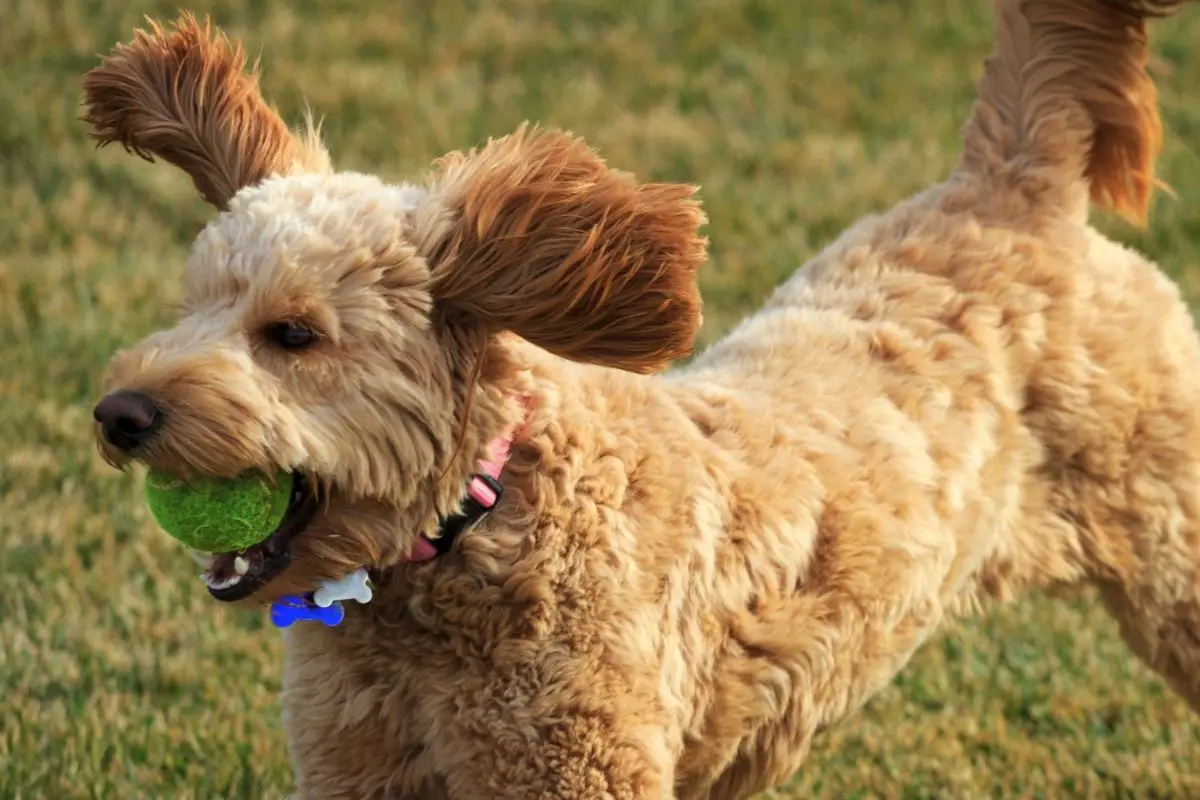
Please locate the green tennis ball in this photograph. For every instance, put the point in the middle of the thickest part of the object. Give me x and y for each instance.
(219, 515)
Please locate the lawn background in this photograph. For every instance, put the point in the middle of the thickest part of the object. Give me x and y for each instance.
(119, 678)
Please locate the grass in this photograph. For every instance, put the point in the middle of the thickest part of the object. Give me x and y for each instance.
(118, 678)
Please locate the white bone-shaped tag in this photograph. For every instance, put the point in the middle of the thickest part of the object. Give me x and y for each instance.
(355, 586)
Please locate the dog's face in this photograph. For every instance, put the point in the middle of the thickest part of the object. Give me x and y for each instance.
(305, 343)
(353, 331)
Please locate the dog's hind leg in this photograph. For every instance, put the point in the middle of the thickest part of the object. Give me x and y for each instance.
(1155, 596)
(1164, 630)
(1136, 538)
(1135, 504)
(1127, 477)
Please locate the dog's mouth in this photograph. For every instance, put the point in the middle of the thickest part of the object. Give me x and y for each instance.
(236, 575)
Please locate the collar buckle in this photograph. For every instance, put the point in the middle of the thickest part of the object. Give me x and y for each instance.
(483, 495)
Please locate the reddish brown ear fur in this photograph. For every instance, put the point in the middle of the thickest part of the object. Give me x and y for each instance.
(183, 95)
(574, 257)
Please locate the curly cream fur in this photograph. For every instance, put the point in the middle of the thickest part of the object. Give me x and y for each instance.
(971, 397)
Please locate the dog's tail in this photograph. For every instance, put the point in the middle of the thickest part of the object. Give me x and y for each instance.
(1066, 108)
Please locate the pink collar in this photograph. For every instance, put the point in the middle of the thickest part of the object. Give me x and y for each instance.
(483, 494)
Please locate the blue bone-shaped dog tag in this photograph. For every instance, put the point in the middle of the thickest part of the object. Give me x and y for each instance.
(300, 608)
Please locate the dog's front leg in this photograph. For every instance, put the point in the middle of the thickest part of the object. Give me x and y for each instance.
(581, 756)
(546, 723)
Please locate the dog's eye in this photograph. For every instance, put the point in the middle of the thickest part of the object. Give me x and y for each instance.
(291, 335)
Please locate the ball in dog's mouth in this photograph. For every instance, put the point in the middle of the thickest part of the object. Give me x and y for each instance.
(236, 575)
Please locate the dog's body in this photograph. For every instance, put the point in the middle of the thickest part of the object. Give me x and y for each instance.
(970, 397)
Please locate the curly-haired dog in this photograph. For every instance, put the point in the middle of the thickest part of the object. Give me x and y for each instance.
(689, 575)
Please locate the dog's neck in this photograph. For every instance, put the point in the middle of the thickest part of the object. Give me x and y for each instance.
(483, 493)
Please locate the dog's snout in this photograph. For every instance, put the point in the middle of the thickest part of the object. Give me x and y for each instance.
(127, 418)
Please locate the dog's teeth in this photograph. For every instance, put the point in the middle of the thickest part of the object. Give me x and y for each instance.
(241, 566)
(203, 559)
(218, 585)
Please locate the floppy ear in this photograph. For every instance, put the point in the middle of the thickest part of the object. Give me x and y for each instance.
(535, 235)
(183, 95)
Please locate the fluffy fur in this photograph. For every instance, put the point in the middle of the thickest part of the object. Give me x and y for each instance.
(972, 396)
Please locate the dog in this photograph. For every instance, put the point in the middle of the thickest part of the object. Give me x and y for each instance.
(594, 577)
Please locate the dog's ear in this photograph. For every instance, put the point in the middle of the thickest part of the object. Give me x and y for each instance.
(182, 94)
(533, 234)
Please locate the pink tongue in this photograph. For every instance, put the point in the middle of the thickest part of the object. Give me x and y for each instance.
(423, 550)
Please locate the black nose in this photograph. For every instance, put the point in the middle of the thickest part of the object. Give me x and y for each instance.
(127, 418)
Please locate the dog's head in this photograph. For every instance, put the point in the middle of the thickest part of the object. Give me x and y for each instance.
(355, 331)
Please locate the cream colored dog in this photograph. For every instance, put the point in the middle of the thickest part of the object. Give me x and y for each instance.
(688, 576)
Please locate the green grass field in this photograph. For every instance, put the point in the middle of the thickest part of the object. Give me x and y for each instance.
(119, 678)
